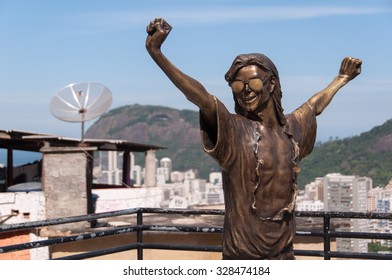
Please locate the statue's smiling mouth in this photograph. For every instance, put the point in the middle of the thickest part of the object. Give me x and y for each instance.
(250, 99)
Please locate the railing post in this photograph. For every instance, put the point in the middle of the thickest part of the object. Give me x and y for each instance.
(139, 236)
(327, 238)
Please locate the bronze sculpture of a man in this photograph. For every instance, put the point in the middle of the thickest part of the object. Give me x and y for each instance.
(258, 148)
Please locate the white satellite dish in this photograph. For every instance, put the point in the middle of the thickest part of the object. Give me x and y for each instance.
(81, 102)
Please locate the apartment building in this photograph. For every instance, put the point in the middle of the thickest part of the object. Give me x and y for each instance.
(348, 194)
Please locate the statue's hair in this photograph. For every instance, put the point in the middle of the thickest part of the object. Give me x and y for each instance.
(265, 64)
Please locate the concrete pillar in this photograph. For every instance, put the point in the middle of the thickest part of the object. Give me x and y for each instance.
(67, 182)
(126, 169)
(10, 167)
(150, 169)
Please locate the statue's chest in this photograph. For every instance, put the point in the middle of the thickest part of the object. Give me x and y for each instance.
(273, 152)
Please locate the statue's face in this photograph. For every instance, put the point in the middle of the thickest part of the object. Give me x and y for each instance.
(250, 89)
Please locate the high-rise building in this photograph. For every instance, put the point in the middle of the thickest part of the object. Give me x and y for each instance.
(110, 167)
(136, 175)
(314, 190)
(177, 176)
(348, 193)
(166, 166)
(309, 205)
(380, 200)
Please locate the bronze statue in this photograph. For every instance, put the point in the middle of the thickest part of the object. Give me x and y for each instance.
(258, 148)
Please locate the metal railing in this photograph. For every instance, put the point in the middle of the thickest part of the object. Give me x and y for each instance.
(326, 233)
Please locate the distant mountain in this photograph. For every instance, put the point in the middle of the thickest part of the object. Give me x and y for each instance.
(369, 154)
(177, 130)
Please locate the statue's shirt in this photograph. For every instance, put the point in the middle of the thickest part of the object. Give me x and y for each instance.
(259, 170)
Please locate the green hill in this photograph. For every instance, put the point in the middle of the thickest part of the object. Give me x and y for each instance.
(369, 154)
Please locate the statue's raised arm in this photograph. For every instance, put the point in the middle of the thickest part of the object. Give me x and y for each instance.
(158, 30)
(349, 69)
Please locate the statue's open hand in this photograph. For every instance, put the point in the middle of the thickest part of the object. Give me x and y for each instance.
(350, 68)
(157, 30)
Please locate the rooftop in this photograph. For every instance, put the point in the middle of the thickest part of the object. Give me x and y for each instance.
(33, 142)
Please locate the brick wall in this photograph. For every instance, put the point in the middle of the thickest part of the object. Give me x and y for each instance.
(12, 238)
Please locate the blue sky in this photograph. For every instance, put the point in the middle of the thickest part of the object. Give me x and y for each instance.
(46, 45)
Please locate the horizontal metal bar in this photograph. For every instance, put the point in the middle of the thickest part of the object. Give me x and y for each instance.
(310, 253)
(98, 253)
(344, 234)
(365, 256)
(200, 229)
(361, 235)
(344, 215)
(182, 247)
(67, 239)
(344, 255)
(58, 221)
(309, 233)
(183, 211)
